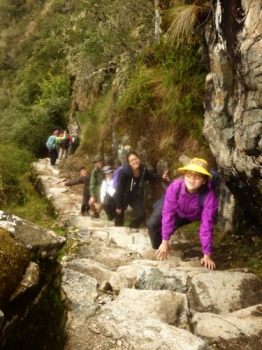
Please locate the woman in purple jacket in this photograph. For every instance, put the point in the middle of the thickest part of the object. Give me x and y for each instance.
(181, 206)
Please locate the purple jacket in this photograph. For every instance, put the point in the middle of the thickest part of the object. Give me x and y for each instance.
(187, 206)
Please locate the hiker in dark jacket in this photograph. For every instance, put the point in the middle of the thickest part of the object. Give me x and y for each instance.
(82, 180)
(130, 188)
(181, 206)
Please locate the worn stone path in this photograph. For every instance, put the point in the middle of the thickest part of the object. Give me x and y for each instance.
(121, 297)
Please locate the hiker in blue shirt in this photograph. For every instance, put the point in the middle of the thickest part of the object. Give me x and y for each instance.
(51, 146)
(130, 189)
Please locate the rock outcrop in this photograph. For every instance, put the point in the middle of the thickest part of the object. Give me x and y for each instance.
(233, 116)
(32, 313)
(120, 297)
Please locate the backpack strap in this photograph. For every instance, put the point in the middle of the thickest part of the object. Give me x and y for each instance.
(142, 178)
(202, 197)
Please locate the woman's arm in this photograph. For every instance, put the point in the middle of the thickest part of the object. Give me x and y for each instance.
(207, 227)
(78, 181)
(153, 177)
(208, 217)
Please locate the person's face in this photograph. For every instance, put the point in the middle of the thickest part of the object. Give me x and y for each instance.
(193, 181)
(134, 161)
(83, 172)
(109, 175)
(99, 164)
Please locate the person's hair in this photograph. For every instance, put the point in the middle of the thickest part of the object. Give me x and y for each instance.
(130, 153)
(82, 168)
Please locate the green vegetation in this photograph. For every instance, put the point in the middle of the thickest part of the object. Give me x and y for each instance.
(166, 87)
(101, 63)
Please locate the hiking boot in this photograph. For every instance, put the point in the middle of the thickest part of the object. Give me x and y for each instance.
(82, 214)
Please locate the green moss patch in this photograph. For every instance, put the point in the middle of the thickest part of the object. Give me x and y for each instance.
(14, 259)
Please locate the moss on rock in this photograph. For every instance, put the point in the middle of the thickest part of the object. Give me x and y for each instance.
(14, 259)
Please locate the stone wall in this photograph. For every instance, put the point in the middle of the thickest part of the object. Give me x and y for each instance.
(32, 312)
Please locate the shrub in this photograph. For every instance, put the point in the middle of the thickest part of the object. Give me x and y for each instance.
(14, 162)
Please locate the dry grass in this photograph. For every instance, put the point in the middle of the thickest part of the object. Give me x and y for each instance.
(182, 19)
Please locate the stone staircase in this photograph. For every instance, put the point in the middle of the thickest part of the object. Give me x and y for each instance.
(121, 297)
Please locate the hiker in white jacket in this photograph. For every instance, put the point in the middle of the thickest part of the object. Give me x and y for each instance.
(107, 192)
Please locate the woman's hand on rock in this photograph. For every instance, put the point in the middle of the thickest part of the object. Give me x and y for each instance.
(208, 262)
(163, 250)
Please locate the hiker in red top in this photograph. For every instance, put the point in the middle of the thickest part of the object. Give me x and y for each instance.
(64, 146)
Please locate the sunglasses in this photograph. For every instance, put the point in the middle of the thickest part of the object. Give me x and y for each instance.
(193, 174)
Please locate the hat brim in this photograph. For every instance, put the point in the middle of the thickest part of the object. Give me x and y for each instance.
(108, 171)
(195, 167)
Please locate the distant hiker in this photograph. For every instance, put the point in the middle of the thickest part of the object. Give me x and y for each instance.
(64, 146)
(75, 142)
(95, 186)
(130, 188)
(107, 192)
(51, 146)
(82, 180)
(181, 206)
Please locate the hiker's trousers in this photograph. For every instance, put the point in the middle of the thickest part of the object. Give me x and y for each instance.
(154, 223)
(140, 213)
(53, 156)
(109, 206)
(85, 199)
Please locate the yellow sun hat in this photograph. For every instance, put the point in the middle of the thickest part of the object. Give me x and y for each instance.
(198, 165)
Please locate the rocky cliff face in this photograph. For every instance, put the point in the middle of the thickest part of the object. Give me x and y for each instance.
(32, 313)
(233, 114)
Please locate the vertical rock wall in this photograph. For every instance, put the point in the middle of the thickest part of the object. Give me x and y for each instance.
(233, 103)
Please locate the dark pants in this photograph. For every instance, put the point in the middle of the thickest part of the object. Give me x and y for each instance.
(140, 213)
(53, 156)
(109, 206)
(154, 223)
(85, 206)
